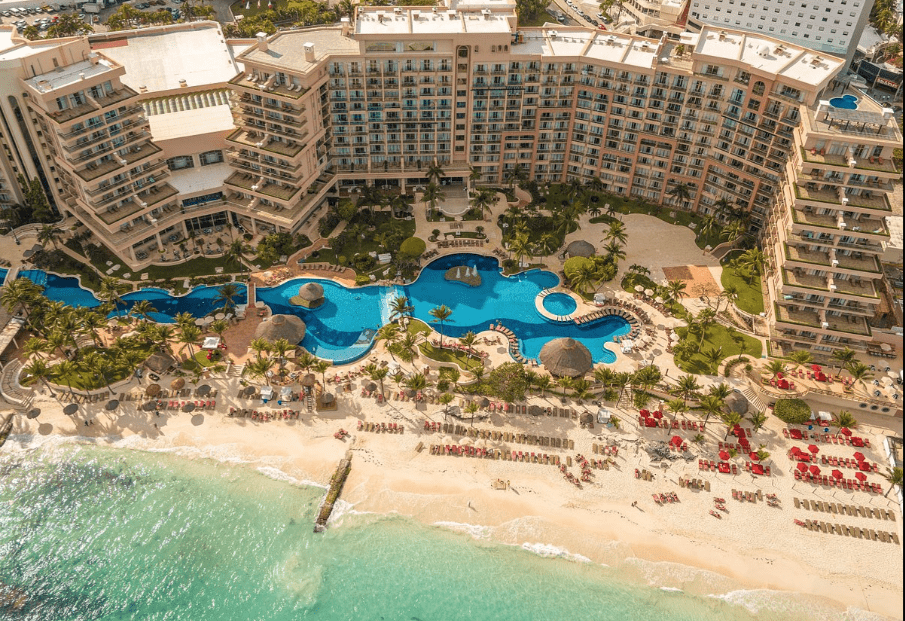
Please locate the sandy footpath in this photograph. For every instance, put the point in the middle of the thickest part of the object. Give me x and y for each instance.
(752, 547)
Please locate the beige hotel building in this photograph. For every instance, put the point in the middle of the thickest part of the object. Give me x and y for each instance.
(152, 136)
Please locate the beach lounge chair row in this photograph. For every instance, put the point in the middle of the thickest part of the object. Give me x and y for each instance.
(177, 405)
(381, 427)
(326, 267)
(644, 475)
(849, 484)
(604, 449)
(845, 462)
(741, 446)
(849, 531)
(713, 466)
(845, 509)
(765, 470)
(699, 484)
(459, 243)
(264, 416)
(743, 496)
(501, 436)
(608, 312)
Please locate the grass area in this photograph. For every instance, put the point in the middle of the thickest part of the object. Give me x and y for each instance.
(202, 266)
(715, 337)
(633, 280)
(324, 255)
(372, 227)
(98, 254)
(84, 378)
(255, 7)
(750, 295)
(446, 355)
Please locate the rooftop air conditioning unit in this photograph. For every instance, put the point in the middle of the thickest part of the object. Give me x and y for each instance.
(397, 10)
(824, 325)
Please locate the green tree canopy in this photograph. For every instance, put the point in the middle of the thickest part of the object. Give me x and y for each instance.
(509, 382)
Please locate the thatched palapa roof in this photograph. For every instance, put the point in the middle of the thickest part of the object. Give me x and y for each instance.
(287, 327)
(566, 357)
(581, 248)
(736, 402)
(310, 295)
(159, 363)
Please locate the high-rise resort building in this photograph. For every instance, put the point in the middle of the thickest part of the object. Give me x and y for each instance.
(830, 27)
(148, 136)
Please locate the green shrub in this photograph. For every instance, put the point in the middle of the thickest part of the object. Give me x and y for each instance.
(362, 279)
(413, 247)
(792, 411)
(508, 382)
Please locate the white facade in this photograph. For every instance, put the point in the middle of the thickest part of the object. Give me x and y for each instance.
(831, 26)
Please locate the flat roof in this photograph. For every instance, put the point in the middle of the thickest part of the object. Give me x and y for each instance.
(432, 20)
(769, 55)
(159, 58)
(186, 123)
(68, 75)
(286, 49)
(614, 48)
(200, 179)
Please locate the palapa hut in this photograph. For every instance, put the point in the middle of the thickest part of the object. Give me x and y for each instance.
(310, 295)
(736, 402)
(566, 357)
(287, 327)
(580, 248)
(160, 363)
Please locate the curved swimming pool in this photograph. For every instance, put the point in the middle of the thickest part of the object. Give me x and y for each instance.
(342, 328)
(559, 303)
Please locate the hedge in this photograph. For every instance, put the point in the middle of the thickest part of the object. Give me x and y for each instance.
(792, 411)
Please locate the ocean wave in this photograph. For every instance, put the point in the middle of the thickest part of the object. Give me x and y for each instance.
(671, 589)
(272, 472)
(768, 603)
(476, 531)
(550, 551)
(341, 509)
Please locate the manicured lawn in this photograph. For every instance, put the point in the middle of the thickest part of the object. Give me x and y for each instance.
(716, 336)
(202, 266)
(750, 296)
(447, 355)
(87, 379)
(633, 280)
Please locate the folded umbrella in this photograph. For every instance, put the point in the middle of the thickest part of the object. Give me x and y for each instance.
(676, 441)
(754, 456)
(845, 431)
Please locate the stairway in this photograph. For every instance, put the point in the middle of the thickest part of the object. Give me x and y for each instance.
(235, 370)
(10, 388)
(753, 399)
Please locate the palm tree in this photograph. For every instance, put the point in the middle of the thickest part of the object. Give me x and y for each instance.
(259, 346)
(801, 357)
(188, 336)
(605, 375)
(35, 346)
(704, 320)
(733, 231)
(708, 225)
(680, 192)
(446, 399)
(236, 251)
(468, 339)
(845, 419)
(757, 421)
(378, 374)
(218, 327)
(687, 387)
(280, 347)
(729, 293)
(259, 368)
(894, 478)
(675, 289)
(143, 309)
(21, 291)
(860, 372)
(720, 391)
(432, 195)
(38, 369)
(520, 246)
(582, 389)
(483, 198)
(714, 355)
(388, 333)
(306, 361)
(440, 314)
(415, 381)
(400, 308)
(565, 382)
(514, 175)
(48, 233)
(162, 336)
(712, 405)
(752, 259)
(622, 380)
(406, 346)
(677, 407)
(723, 207)
(66, 370)
(775, 367)
(844, 357)
(617, 232)
(647, 377)
(321, 367)
(614, 250)
(583, 278)
(227, 294)
(184, 319)
(435, 172)
(731, 419)
(543, 383)
(109, 291)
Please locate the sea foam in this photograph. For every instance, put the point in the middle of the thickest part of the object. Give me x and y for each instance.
(550, 551)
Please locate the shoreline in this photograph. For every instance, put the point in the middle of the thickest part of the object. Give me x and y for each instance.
(389, 478)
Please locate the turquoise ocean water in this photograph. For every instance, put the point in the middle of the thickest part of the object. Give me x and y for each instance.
(102, 533)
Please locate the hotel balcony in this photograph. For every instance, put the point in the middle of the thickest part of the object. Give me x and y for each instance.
(243, 82)
(794, 278)
(121, 94)
(810, 192)
(842, 161)
(256, 184)
(137, 204)
(258, 140)
(96, 171)
(829, 260)
(819, 322)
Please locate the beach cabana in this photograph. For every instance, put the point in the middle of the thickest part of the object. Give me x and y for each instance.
(266, 393)
(287, 327)
(160, 363)
(581, 248)
(310, 295)
(566, 357)
(211, 342)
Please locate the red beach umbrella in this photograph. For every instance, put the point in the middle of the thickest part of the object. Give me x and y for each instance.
(644, 413)
(814, 470)
(803, 467)
(658, 414)
(859, 456)
(837, 474)
(796, 450)
(724, 455)
(754, 456)
(863, 465)
(676, 441)
(815, 368)
(845, 431)
(861, 476)
(813, 448)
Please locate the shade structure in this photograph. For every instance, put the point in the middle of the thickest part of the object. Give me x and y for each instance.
(803, 467)
(860, 476)
(724, 455)
(485, 402)
(863, 465)
(287, 327)
(310, 295)
(566, 357)
(33, 413)
(837, 474)
(203, 391)
(152, 390)
(249, 391)
(845, 431)
(648, 292)
(535, 410)
(310, 380)
(149, 406)
(859, 456)
(754, 456)
(795, 450)
(371, 386)
(813, 448)
(581, 248)
(736, 402)
(816, 368)
(160, 363)
(658, 414)
(587, 417)
(112, 404)
(676, 441)
(188, 407)
(285, 393)
(71, 409)
(211, 342)
(327, 397)
(177, 383)
(814, 469)
(639, 288)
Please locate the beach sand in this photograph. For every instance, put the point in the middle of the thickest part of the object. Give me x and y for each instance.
(752, 547)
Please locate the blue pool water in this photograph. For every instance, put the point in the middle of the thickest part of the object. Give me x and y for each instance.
(560, 304)
(846, 102)
(198, 302)
(335, 328)
(3, 272)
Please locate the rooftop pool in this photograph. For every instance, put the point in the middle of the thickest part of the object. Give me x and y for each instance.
(342, 328)
(846, 102)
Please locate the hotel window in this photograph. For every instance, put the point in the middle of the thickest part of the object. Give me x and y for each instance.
(211, 157)
(180, 162)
